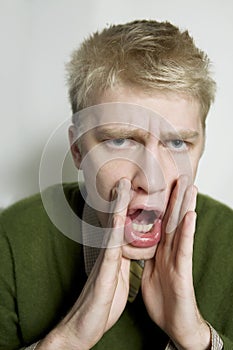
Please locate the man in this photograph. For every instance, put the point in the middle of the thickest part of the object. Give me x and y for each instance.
(132, 276)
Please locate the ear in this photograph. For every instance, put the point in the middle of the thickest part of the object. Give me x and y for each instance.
(74, 146)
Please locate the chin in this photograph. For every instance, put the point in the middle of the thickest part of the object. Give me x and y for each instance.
(135, 253)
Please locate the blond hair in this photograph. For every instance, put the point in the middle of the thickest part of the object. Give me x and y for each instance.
(147, 54)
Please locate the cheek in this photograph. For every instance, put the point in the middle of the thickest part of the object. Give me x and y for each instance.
(195, 158)
(108, 177)
(180, 164)
(187, 165)
(171, 168)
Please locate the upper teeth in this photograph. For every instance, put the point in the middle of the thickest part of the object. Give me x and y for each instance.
(142, 228)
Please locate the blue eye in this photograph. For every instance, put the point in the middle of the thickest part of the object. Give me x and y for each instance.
(177, 144)
(118, 142)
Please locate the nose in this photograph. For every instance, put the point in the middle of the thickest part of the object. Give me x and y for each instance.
(149, 176)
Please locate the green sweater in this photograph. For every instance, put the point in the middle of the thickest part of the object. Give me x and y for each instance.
(42, 273)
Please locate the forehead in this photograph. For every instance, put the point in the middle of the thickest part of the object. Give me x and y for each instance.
(130, 116)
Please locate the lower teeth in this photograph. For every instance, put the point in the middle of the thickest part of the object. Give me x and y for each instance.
(142, 228)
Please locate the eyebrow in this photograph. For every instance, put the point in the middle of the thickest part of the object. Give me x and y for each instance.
(121, 132)
(124, 132)
(184, 134)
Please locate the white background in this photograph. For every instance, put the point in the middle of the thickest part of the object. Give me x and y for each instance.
(37, 37)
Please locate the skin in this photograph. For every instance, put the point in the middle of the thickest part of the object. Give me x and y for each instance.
(167, 284)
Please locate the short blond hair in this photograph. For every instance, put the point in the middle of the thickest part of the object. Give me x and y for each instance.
(147, 54)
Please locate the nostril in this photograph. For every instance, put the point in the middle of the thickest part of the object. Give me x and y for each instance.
(140, 190)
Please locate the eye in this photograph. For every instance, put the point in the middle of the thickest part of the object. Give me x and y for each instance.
(177, 145)
(119, 143)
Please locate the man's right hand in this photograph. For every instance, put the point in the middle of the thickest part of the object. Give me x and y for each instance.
(105, 293)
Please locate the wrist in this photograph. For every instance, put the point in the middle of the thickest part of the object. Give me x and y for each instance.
(199, 340)
(55, 340)
(61, 338)
(51, 341)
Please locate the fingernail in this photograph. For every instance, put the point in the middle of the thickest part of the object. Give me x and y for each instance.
(120, 184)
(170, 227)
(124, 183)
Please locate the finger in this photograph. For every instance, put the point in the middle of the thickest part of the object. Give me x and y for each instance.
(114, 235)
(184, 252)
(176, 203)
(189, 204)
(193, 199)
(148, 268)
(110, 259)
(123, 196)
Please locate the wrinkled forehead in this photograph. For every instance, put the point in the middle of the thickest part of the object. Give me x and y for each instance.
(121, 114)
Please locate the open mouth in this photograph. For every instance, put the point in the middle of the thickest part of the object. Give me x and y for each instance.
(143, 227)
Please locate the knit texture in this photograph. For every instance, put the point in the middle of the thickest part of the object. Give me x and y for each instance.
(42, 273)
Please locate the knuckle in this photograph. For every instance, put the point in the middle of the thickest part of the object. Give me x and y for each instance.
(118, 220)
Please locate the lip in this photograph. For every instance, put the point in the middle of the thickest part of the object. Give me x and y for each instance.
(140, 239)
(143, 240)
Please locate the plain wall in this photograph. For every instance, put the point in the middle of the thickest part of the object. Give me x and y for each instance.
(37, 38)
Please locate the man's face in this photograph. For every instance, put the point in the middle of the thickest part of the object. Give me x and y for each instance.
(150, 140)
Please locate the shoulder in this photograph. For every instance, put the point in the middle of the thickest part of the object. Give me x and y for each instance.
(209, 209)
(28, 209)
(29, 216)
(213, 262)
(206, 200)
(214, 224)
